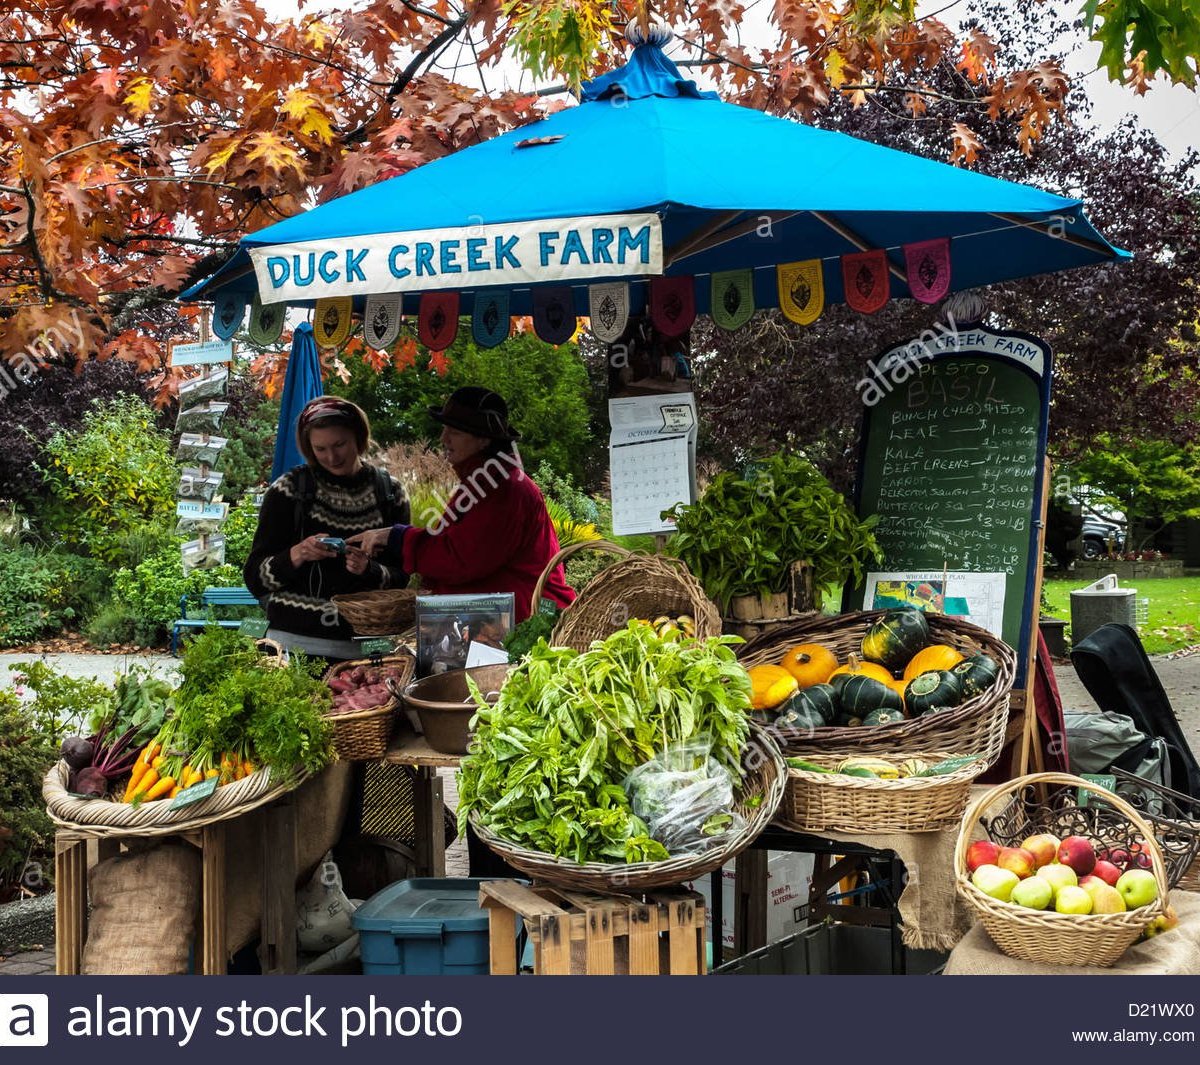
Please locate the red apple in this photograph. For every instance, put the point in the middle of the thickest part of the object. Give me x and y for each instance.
(1139, 857)
(1016, 860)
(1106, 871)
(1078, 853)
(1119, 857)
(1043, 847)
(982, 852)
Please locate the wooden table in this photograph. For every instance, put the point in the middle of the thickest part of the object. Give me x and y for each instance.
(409, 749)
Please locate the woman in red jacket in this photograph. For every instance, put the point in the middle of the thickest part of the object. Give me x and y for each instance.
(495, 534)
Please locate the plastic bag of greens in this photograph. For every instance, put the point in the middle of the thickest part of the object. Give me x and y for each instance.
(685, 796)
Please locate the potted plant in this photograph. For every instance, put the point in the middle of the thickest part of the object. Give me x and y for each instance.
(744, 536)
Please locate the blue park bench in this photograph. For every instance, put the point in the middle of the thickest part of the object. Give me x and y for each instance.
(211, 599)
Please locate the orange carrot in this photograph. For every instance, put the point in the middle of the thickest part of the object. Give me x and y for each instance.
(150, 752)
(160, 790)
(149, 779)
(210, 773)
(175, 791)
(139, 771)
(247, 767)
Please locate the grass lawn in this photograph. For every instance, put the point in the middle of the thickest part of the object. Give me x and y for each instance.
(1174, 609)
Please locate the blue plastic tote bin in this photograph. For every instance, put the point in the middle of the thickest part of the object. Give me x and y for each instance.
(424, 927)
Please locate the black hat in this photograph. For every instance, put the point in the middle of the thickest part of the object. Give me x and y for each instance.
(477, 411)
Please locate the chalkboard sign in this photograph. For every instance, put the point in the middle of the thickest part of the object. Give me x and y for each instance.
(953, 447)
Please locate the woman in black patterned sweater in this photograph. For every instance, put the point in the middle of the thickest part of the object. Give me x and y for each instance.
(336, 494)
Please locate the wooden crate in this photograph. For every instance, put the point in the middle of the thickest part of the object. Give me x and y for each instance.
(578, 933)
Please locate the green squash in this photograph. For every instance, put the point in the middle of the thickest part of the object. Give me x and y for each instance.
(860, 695)
(820, 700)
(883, 717)
(895, 638)
(800, 718)
(976, 674)
(938, 689)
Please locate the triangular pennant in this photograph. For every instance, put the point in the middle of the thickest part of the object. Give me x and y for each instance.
(865, 280)
(801, 290)
(228, 310)
(732, 303)
(928, 265)
(266, 322)
(382, 317)
(490, 321)
(437, 320)
(554, 314)
(331, 321)
(672, 305)
(608, 309)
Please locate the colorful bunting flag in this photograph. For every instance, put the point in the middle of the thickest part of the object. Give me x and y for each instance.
(331, 321)
(865, 280)
(490, 322)
(801, 290)
(928, 265)
(382, 316)
(228, 311)
(266, 322)
(437, 319)
(608, 309)
(554, 314)
(672, 304)
(732, 303)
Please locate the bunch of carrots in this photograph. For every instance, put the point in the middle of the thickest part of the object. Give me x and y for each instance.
(160, 772)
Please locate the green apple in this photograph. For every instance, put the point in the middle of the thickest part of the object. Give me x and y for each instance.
(1034, 893)
(1105, 897)
(994, 881)
(1072, 899)
(1059, 876)
(1137, 887)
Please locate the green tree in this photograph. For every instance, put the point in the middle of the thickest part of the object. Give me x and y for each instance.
(1150, 480)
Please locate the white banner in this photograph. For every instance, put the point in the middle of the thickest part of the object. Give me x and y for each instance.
(461, 257)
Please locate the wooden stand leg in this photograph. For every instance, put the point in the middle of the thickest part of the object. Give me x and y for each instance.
(749, 902)
(211, 958)
(428, 816)
(70, 903)
(277, 952)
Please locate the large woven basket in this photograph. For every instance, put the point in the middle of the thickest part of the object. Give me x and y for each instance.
(1049, 937)
(637, 586)
(362, 735)
(816, 802)
(380, 613)
(975, 726)
(103, 818)
(757, 801)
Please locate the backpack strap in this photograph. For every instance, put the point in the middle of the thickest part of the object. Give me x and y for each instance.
(385, 493)
(306, 492)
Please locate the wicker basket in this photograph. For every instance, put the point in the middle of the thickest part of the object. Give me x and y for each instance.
(362, 735)
(1048, 937)
(102, 818)
(975, 726)
(759, 798)
(382, 613)
(815, 802)
(637, 586)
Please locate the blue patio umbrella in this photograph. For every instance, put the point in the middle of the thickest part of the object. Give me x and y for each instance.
(650, 176)
(301, 382)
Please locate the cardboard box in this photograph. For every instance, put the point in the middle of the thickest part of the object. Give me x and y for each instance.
(789, 875)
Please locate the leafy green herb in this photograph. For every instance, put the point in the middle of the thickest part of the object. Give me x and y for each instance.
(520, 641)
(548, 757)
(742, 536)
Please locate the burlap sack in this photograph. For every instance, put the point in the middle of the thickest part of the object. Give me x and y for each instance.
(144, 909)
(1173, 953)
(321, 805)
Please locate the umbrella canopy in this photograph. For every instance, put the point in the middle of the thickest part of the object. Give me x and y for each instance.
(301, 382)
(650, 176)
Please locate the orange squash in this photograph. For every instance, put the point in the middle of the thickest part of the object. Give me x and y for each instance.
(810, 664)
(898, 687)
(855, 666)
(770, 686)
(935, 656)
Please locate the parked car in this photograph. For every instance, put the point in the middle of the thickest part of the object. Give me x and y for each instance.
(1101, 532)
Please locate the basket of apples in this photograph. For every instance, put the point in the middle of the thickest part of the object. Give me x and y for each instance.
(1055, 895)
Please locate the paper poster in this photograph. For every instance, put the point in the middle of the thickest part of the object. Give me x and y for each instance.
(974, 597)
(652, 459)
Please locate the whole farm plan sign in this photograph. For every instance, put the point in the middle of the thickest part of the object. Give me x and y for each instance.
(461, 257)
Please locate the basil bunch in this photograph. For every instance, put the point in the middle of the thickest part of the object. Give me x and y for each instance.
(742, 536)
(549, 757)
